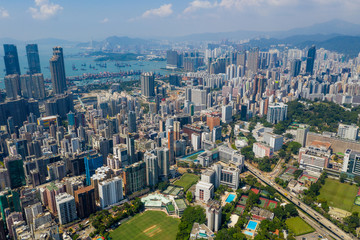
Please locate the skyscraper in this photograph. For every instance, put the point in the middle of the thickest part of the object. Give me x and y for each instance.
(26, 86)
(172, 59)
(131, 149)
(253, 60)
(310, 60)
(277, 113)
(14, 165)
(177, 130)
(295, 67)
(301, 134)
(38, 87)
(92, 162)
(198, 96)
(213, 215)
(32, 54)
(147, 84)
(226, 116)
(11, 59)
(163, 162)
(12, 86)
(241, 58)
(134, 177)
(132, 122)
(110, 191)
(66, 208)
(170, 136)
(152, 170)
(57, 69)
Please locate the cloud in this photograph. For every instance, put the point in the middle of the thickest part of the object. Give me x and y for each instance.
(240, 4)
(237, 4)
(199, 4)
(105, 20)
(4, 13)
(44, 9)
(163, 11)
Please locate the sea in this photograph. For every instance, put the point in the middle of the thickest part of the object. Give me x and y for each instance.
(74, 57)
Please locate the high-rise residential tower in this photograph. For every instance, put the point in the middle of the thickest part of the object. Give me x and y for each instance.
(12, 86)
(57, 69)
(32, 54)
(147, 84)
(66, 208)
(152, 169)
(253, 60)
(170, 136)
(131, 122)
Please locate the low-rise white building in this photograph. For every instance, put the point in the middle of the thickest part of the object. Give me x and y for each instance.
(262, 150)
(273, 140)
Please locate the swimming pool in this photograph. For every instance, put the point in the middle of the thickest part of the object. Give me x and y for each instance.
(249, 233)
(252, 225)
(196, 153)
(230, 198)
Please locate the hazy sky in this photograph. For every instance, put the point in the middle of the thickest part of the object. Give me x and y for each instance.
(97, 19)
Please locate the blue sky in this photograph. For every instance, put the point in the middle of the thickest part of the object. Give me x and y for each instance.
(97, 19)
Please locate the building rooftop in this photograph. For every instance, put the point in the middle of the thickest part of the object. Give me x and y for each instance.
(52, 186)
(180, 203)
(208, 172)
(201, 231)
(320, 144)
(214, 204)
(63, 197)
(155, 200)
(84, 189)
(204, 185)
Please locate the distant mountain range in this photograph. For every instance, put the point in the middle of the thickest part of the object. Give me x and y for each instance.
(336, 26)
(348, 45)
(119, 44)
(336, 35)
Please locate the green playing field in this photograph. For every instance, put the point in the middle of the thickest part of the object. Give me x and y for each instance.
(148, 225)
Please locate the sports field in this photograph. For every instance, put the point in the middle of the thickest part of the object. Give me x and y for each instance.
(186, 181)
(298, 226)
(339, 195)
(148, 225)
(243, 200)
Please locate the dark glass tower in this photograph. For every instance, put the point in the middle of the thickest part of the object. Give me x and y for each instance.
(32, 54)
(57, 69)
(310, 60)
(295, 67)
(11, 59)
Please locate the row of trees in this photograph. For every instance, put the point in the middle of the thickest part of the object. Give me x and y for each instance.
(311, 196)
(189, 217)
(104, 219)
(321, 116)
